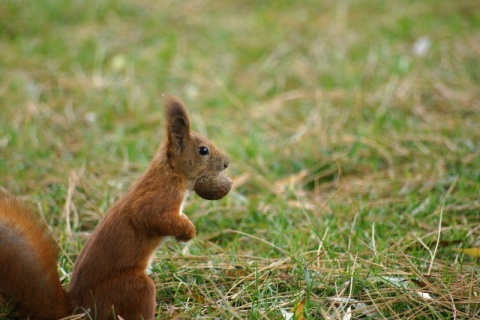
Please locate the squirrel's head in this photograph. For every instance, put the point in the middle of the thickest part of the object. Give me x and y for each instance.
(188, 152)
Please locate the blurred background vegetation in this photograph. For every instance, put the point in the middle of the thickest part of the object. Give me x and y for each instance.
(352, 129)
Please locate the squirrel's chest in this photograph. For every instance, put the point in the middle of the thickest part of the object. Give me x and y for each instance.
(183, 203)
(148, 269)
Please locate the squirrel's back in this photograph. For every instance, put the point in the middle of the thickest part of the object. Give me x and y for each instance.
(28, 269)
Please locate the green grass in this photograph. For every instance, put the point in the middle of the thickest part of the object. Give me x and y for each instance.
(356, 161)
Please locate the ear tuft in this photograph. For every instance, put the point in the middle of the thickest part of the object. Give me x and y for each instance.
(177, 123)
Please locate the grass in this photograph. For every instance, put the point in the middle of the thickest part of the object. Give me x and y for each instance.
(355, 151)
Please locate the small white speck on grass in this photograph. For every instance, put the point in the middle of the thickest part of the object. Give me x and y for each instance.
(191, 90)
(421, 46)
(424, 295)
(348, 314)
(90, 117)
(286, 315)
(118, 62)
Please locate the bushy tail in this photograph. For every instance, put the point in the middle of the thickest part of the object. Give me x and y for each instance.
(28, 269)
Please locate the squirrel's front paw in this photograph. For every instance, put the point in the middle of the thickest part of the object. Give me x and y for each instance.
(187, 234)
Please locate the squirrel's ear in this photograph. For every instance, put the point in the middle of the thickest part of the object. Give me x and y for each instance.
(177, 123)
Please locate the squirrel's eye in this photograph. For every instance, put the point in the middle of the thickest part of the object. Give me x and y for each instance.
(203, 151)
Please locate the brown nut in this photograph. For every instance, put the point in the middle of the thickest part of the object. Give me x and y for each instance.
(213, 187)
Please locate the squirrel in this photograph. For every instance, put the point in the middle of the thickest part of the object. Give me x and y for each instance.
(109, 276)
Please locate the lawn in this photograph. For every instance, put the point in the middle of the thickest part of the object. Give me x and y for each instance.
(352, 127)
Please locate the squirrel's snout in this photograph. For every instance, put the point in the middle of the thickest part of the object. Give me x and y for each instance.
(226, 162)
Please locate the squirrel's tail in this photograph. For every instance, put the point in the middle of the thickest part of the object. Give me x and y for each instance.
(28, 268)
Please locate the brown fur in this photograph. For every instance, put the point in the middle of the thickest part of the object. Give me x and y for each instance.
(43, 296)
(110, 270)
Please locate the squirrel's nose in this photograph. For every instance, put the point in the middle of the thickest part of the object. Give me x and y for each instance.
(226, 163)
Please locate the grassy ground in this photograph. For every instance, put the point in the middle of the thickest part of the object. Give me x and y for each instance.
(353, 130)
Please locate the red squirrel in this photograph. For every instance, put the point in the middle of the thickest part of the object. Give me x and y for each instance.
(109, 276)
